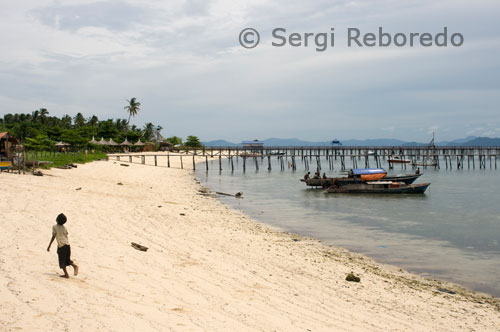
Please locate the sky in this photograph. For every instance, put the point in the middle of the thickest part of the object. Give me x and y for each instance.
(183, 61)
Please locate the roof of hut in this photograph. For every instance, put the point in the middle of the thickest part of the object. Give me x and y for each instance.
(93, 141)
(6, 136)
(111, 142)
(139, 143)
(61, 143)
(102, 141)
(126, 142)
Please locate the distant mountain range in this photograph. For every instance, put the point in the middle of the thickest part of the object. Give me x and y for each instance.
(469, 141)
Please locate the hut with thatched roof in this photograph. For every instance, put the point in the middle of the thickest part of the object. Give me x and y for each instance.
(126, 143)
(112, 143)
(93, 141)
(7, 146)
(102, 142)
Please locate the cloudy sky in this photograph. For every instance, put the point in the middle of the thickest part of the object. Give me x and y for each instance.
(182, 60)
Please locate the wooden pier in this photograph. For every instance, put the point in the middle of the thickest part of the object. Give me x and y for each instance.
(312, 157)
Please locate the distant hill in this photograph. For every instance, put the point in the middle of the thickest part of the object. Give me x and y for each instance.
(469, 141)
(219, 142)
(291, 142)
(374, 142)
(483, 141)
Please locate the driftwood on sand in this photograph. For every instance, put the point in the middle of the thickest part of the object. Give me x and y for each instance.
(139, 247)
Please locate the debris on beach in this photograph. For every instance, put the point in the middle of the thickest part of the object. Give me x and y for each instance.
(238, 194)
(37, 173)
(204, 192)
(447, 291)
(352, 277)
(139, 247)
(79, 188)
(124, 165)
(182, 214)
(68, 166)
(120, 184)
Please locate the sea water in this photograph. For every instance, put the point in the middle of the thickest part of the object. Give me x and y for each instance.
(451, 232)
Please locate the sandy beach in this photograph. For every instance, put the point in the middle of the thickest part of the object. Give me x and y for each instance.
(208, 267)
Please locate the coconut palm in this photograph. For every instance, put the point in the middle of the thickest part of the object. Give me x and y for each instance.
(132, 108)
(43, 114)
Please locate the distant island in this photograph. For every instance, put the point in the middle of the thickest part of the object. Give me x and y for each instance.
(468, 141)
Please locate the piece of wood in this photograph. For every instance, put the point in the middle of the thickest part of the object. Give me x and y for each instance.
(139, 247)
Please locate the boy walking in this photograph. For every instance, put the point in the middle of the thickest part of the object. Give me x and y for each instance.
(60, 233)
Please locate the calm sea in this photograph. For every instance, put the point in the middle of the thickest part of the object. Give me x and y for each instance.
(451, 232)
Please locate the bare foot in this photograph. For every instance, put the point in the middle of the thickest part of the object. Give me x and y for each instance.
(76, 269)
(64, 276)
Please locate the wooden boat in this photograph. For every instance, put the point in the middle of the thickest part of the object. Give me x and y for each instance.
(425, 162)
(379, 187)
(398, 160)
(356, 176)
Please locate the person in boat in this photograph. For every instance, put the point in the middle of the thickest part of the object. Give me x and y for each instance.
(316, 175)
(417, 171)
(324, 176)
(307, 176)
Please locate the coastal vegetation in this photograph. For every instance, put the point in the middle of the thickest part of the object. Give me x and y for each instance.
(58, 159)
(39, 131)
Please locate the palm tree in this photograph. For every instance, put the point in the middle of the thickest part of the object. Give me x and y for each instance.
(148, 132)
(79, 120)
(132, 108)
(157, 133)
(43, 114)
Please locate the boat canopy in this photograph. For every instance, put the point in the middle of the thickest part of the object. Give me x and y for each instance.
(366, 171)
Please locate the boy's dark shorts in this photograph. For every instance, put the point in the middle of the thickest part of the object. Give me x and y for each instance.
(64, 254)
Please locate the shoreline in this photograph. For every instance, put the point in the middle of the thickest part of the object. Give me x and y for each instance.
(208, 267)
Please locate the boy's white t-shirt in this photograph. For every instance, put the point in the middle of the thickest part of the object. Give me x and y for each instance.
(61, 234)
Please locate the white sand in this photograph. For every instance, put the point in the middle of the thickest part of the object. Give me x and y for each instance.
(211, 269)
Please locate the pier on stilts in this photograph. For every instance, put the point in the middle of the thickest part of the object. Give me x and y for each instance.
(318, 158)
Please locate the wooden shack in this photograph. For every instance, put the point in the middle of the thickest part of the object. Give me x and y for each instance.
(7, 146)
(253, 146)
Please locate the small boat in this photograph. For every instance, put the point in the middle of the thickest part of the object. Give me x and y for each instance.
(361, 175)
(398, 160)
(425, 162)
(379, 187)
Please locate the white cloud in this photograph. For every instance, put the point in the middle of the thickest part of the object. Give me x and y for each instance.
(182, 60)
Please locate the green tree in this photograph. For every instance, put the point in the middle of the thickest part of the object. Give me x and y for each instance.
(40, 142)
(174, 140)
(93, 121)
(66, 122)
(158, 134)
(193, 142)
(43, 114)
(148, 132)
(132, 108)
(79, 120)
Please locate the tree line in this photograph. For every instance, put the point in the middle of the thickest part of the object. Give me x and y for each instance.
(40, 131)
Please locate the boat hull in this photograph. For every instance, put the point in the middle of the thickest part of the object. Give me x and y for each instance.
(398, 161)
(374, 188)
(325, 183)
